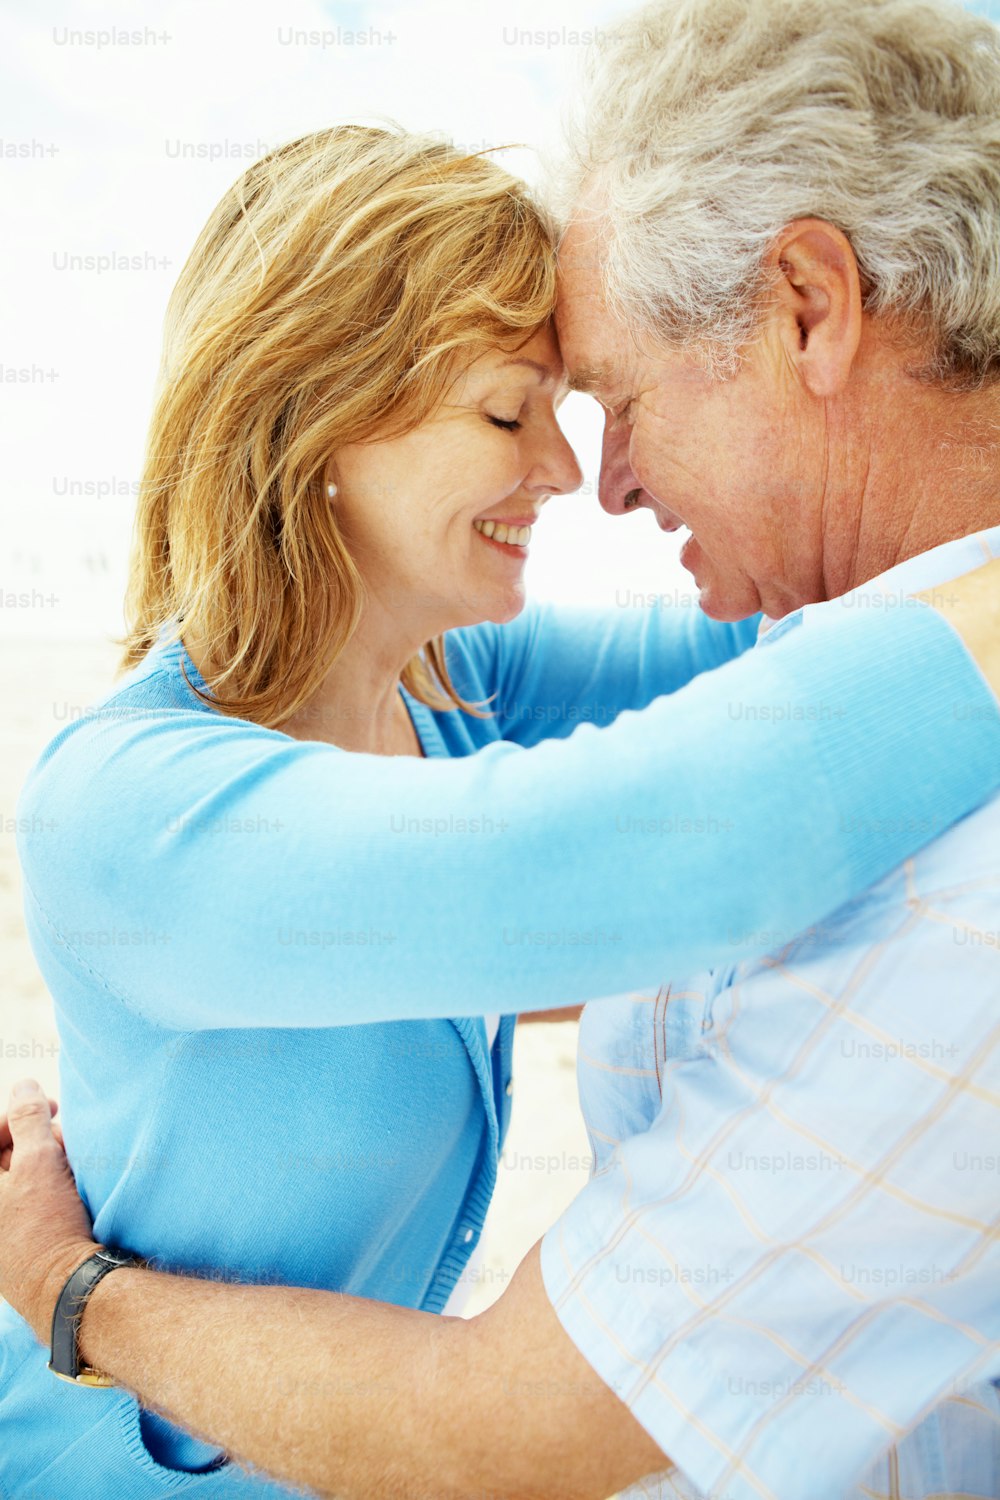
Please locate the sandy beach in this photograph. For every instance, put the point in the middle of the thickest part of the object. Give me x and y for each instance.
(546, 1157)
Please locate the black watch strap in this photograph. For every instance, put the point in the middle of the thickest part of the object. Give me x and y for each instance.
(65, 1360)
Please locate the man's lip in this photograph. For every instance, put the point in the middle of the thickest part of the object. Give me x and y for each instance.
(685, 552)
(666, 519)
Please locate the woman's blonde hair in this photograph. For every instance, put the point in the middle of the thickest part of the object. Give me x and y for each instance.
(332, 297)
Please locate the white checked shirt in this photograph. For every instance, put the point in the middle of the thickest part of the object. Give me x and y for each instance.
(787, 1262)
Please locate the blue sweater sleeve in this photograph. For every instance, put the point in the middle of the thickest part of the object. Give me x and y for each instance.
(296, 884)
(554, 668)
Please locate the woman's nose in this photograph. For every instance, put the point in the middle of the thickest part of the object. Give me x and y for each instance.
(561, 469)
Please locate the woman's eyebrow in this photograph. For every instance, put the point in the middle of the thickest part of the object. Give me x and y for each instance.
(544, 372)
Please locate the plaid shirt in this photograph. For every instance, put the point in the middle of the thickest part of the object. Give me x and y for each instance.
(787, 1262)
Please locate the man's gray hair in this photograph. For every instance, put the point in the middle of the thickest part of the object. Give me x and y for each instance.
(708, 125)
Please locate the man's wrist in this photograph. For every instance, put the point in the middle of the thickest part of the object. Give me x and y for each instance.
(58, 1269)
(107, 1304)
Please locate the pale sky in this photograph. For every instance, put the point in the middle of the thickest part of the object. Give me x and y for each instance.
(93, 138)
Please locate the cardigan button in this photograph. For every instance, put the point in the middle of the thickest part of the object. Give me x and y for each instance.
(468, 1236)
(510, 1087)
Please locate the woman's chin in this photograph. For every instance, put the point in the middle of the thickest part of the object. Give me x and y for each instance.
(514, 600)
(496, 606)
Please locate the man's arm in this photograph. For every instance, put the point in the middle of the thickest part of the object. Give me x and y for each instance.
(362, 1399)
(352, 1398)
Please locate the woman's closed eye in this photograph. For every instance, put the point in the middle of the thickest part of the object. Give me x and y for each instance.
(512, 426)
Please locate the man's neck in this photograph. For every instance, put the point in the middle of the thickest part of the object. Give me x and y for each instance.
(926, 472)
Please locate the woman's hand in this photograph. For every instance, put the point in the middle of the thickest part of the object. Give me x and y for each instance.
(45, 1230)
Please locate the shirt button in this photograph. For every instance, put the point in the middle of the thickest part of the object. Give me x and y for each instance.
(468, 1236)
(509, 1089)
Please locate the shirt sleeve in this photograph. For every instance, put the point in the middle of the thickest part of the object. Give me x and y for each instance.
(555, 668)
(793, 1259)
(296, 884)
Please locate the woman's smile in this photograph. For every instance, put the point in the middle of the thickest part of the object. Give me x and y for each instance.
(509, 537)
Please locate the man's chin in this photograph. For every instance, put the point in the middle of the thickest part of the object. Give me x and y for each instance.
(719, 607)
(721, 598)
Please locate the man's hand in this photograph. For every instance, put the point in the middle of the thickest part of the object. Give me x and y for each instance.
(45, 1230)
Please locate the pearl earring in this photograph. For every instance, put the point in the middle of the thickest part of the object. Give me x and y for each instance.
(331, 490)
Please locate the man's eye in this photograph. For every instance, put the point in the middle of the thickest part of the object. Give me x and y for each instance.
(507, 426)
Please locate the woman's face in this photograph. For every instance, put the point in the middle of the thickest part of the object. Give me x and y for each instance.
(417, 511)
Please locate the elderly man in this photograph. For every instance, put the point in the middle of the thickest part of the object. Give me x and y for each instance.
(781, 278)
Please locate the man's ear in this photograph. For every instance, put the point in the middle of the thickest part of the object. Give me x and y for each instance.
(818, 308)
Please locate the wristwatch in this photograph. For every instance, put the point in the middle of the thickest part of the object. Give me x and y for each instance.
(65, 1361)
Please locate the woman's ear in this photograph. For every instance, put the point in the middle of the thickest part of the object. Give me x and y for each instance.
(818, 303)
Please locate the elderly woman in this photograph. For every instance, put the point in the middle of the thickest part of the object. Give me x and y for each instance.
(355, 432)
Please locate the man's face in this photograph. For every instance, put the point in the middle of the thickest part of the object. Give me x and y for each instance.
(733, 460)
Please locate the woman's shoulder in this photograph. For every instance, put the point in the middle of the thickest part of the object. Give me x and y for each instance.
(123, 744)
(153, 691)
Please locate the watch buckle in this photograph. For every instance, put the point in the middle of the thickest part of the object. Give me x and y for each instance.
(85, 1377)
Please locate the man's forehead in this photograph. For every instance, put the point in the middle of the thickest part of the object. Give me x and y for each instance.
(579, 268)
(592, 341)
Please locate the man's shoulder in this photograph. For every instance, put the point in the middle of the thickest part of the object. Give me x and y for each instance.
(964, 857)
(938, 910)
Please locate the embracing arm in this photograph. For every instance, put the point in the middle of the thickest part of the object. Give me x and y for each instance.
(287, 881)
(366, 1401)
(556, 666)
(352, 1398)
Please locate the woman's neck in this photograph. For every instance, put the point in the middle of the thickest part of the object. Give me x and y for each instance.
(358, 705)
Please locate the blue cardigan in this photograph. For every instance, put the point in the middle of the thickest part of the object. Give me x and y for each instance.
(227, 918)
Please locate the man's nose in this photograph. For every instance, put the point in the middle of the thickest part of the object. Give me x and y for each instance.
(617, 488)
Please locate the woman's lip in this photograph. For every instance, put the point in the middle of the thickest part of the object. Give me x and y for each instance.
(509, 520)
(517, 552)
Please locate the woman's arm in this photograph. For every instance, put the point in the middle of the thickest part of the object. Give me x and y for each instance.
(555, 668)
(291, 883)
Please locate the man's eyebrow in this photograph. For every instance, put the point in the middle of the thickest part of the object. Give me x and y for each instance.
(546, 372)
(589, 380)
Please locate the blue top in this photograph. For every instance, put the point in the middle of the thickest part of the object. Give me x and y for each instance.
(224, 914)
